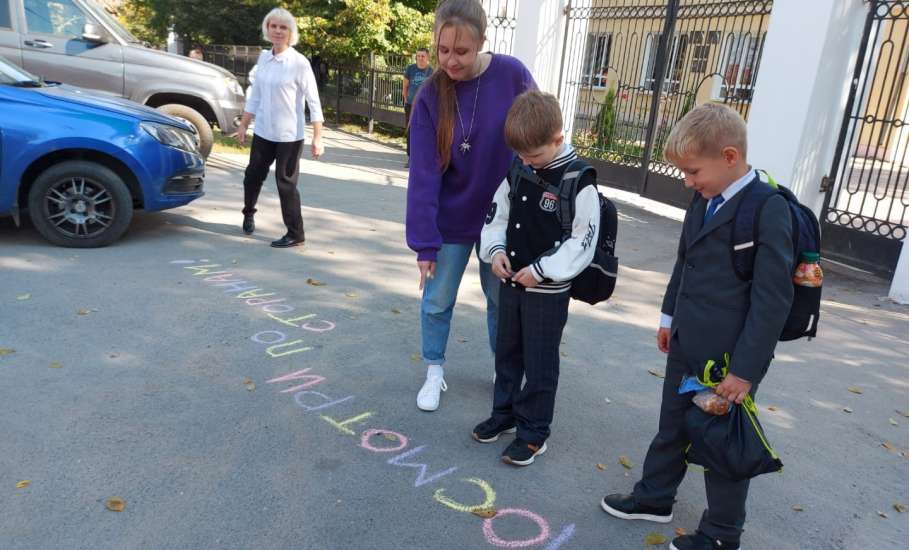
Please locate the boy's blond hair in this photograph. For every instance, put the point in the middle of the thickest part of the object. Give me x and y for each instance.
(705, 131)
(534, 120)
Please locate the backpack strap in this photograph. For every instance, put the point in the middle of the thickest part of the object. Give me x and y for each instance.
(745, 228)
(568, 192)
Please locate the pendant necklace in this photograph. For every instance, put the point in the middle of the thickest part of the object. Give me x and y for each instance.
(465, 144)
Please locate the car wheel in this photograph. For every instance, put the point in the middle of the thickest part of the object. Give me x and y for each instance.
(80, 204)
(193, 117)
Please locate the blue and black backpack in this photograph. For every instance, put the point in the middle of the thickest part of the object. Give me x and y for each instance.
(806, 237)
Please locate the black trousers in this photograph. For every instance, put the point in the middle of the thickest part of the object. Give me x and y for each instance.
(527, 345)
(665, 467)
(407, 108)
(286, 156)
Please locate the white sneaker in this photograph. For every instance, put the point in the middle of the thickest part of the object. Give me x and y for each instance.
(428, 398)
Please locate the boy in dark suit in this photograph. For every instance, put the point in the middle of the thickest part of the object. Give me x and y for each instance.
(708, 311)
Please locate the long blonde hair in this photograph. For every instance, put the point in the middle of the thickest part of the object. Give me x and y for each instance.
(454, 13)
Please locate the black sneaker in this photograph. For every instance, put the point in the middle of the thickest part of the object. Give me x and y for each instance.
(249, 224)
(490, 429)
(700, 541)
(522, 453)
(625, 507)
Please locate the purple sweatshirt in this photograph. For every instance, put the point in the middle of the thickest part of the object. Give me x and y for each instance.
(451, 206)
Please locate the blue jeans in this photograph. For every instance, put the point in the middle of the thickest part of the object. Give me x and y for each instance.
(440, 293)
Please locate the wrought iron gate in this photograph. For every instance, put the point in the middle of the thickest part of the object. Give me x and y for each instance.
(632, 68)
(866, 206)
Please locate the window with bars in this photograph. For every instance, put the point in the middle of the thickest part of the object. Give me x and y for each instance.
(596, 60)
(738, 67)
(675, 63)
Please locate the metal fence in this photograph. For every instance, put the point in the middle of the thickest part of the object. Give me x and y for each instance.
(632, 68)
(866, 206)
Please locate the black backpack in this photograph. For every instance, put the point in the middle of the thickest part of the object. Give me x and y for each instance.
(806, 237)
(597, 281)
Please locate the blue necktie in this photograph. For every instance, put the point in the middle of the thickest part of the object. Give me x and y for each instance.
(714, 203)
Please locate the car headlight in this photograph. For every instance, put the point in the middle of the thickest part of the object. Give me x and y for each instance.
(233, 85)
(172, 137)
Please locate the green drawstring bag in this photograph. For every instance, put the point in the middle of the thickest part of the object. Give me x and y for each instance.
(733, 445)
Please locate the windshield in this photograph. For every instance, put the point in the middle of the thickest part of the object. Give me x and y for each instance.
(11, 74)
(111, 22)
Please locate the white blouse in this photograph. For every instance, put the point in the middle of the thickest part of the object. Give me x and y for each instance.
(276, 98)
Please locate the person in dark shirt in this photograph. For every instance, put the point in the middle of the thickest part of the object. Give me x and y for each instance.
(414, 75)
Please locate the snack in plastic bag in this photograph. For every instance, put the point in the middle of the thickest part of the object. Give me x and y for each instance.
(711, 403)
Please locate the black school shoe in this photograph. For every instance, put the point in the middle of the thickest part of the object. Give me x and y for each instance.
(625, 507)
(286, 242)
(249, 224)
(700, 541)
(522, 453)
(490, 429)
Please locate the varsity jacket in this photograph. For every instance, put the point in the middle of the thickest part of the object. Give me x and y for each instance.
(523, 223)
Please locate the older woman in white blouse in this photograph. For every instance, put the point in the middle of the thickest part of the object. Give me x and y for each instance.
(284, 84)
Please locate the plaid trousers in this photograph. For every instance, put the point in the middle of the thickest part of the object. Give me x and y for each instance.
(527, 346)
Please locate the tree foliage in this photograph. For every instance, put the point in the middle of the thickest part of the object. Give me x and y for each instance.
(341, 30)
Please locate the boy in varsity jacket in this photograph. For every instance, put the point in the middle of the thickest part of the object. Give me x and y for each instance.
(523, 241)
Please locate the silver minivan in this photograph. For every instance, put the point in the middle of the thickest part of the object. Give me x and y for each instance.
(77, 42)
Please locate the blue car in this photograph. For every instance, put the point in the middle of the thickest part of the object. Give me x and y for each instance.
(80, 162)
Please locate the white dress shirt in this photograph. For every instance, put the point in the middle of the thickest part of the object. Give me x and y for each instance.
(276, 99)
(728, 193)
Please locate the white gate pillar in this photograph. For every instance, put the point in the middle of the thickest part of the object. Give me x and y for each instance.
(538, 40)
(801, 91)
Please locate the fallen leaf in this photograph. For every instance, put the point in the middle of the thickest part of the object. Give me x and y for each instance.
(899, 507)
(56, 365)
(314, 282)
(654, 539)
(680, 531)
(893, 422)
(903, 413)
(847, 410)
(888, 446)
(798, 508)
(6, 351)
(485, 512)
(626, 462)
(882, 514)
(83, 311)
(771, 408)
(601, 466)
(250, 385)
(25, 483)
(415, 358)
(395, 310)
(351, 294)
(853, 389)
(115, 504)
(563, 353)
(22, 297)
(656, 373)
(389, 437)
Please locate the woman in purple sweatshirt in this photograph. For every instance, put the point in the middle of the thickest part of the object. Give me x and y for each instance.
(458, 159)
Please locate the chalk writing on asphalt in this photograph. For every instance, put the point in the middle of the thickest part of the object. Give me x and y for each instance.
(377, 440)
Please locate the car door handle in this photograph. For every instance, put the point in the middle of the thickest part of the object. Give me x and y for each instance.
(43, 44)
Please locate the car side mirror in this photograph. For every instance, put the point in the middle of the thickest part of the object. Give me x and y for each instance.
(91, 33)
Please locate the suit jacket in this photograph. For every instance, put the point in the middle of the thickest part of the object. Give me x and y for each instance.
(713, 311)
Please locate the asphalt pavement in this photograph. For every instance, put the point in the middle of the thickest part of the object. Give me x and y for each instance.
(237, 396)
